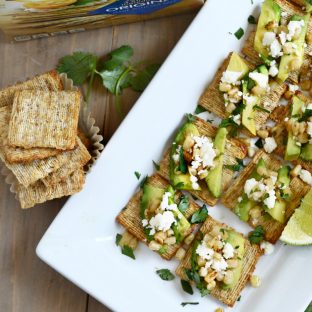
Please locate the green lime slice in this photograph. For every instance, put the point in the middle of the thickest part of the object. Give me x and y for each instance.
(298, 230)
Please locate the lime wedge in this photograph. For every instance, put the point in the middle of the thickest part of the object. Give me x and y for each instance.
(298, 230)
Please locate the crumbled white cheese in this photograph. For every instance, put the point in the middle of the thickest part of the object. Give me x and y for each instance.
(228, 251)
(283, 14)
(293, 27)
(194, 180)
(204, 252)
(267, 247)
(305, 176)
(162, 222)
(282, 37)
(219, 265)
(206, 151)
(175, 158)
(270, 200)
(144, 222)
(250, 99)
(269, 144)
(164, 201)
(261, 79)
(237, 119)
(268, 38)
(230, 76)
(309, 106)
(239, 199)
(286, 119)
(293, 88)
(249, 185)
(273, 71)
(276, 49)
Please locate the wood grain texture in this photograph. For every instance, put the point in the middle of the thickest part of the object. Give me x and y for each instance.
(28, 284)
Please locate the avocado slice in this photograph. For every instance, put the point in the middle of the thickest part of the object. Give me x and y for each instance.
(270, 12)
(237, 64)
(178, 179)
(306, 152)
(214, 177)
(238, 242)
(292, 149)
(283, 175)
(242, 208)
(278, 211)
(249, 111)
(284, 70)
(255, 174)
(151, 198)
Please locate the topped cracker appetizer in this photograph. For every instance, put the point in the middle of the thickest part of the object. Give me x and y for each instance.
(280, 39)
(158, 215)
(242, 93)
(265, 194)
(219, 262)
(198, 157)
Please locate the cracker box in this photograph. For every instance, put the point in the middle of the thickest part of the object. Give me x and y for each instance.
(31, 19)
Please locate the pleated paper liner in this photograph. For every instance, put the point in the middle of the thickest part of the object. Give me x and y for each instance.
(86, 125)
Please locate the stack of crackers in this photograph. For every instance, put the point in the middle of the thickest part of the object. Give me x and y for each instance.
(39, 142)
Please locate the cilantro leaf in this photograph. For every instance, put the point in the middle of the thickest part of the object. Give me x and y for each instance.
(163, 249)
(199, 109)
(190, 117)
(143, 77)
(137, 174)
(118, 238)
(127, 251)
(239, 33)
(257, 235)
(252, 19)
(143, 181)
(165, 274)
(118, 57)
(78, 66)
(156, 165)
(259, 143)
(184, 203)
(186, 286)
(183, 304)
(179, 185)
(200, 215)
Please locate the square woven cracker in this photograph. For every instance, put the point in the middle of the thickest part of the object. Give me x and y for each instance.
(233, 149)
(49, 81)
(212, 99)
(39, 193)
(18, 154)
(273, 229)
(130, 218)
(29, 173)
(251, 257)
(289, 9)
(44, 119)
(77, 161)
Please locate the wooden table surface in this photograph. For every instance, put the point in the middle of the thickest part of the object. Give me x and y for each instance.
(27, 284)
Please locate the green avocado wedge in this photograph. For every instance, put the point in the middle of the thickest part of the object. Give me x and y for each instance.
(238, 242)
(292, 149)
(243, 207)
(237, 64)
(270, 12)
(214, 177)
(306, 152)
(179, 177)
(287, 59)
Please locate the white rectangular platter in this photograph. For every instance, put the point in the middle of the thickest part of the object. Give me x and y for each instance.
(80, 243)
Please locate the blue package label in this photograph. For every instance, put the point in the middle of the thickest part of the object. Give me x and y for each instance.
(134, 7)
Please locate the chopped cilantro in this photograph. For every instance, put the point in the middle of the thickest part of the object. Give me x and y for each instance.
(165, 274)
(143, 181)
(257, 235)
(118, 238)
(137, 174)
(199, 109)
(186, 286)
(252, 19)
(239, 33)
(200, 215)
(127, 251)
(183, 304)
(184, 203)
(257, 107)
(156, 165)
(259, 143)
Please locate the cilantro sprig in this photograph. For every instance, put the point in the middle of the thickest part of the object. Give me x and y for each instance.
(116, 72)
(165, 274)
(257, 235)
